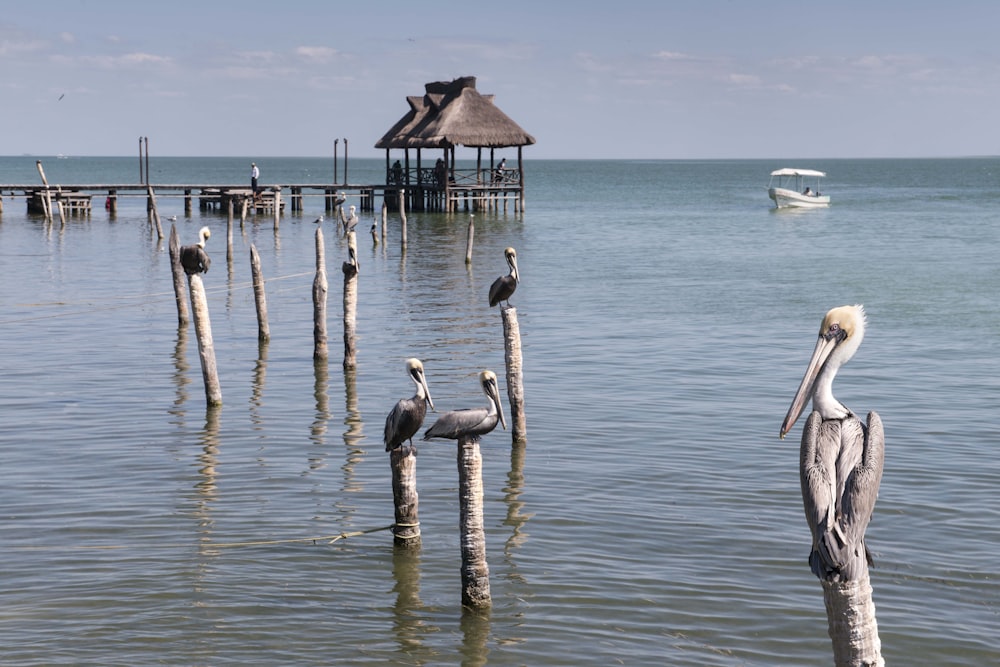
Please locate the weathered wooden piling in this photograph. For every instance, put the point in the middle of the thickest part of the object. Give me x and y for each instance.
(47, 198)
(350, 268)
(406, 530)
(468, 239)
(472, 536)
(260, 298)
(154, 213)
(515, 377)
(385, 220)
(319, 291)
(277, 207)
(206, 347)
(229, 233)
(853, 629)
(402, 218)
(177, 271)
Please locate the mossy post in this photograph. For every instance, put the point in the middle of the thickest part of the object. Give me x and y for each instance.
(515, 379)
(319, 292)
(406, 530)
(206, 347)
(472, 536)
(177, 271)
(259, 296)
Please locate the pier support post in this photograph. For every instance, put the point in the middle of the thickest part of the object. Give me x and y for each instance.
(260, 298)
(468, 238)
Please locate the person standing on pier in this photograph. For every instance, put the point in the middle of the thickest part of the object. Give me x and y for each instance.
(254, 175)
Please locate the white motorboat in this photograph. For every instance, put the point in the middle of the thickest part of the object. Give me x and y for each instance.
(796, 188)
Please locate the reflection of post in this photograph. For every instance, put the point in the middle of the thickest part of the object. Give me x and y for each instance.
(259, 374)
(206, 486)
(408, 625)
(353, 435)
(475, 571)
(515, 386)
(475, 626)
(181, 379)
(321, 394)
(512, 494)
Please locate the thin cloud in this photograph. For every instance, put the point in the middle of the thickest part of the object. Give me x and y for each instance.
(316, 54)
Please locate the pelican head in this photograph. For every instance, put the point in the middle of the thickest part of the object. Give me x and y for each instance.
(203, 235)
(488, 381)
(840, 334)
(415, 369)
(511, 256)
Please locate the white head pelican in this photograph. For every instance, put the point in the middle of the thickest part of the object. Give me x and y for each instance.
(504, 286)
(407, 416)
(471, 421)
(194, 259)
(840, 460)
(350, 221)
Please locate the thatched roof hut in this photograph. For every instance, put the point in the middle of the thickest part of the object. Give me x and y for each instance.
(454, 113)
(450, 114)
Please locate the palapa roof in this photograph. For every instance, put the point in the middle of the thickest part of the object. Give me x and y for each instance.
(453, 113)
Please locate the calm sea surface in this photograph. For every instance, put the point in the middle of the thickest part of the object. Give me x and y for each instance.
(653, 518)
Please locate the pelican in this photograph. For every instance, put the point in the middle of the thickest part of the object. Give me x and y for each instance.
(194, 259)
(504, 286)
(406, 418)
(471, 421)
(840, 461)
(351, 221)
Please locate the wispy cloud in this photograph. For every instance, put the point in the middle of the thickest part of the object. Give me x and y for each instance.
(316, 54)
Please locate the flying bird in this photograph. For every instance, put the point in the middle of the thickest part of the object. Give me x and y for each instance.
(504, 286)
(471, 421)
(840, 461)
(61, 96)
(407, 416)
(194, 259)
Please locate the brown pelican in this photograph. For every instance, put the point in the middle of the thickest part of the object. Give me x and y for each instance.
(840, 461)
(504, 286)
(350, 221)
(194, 259)
(406, 418)
(471, 421)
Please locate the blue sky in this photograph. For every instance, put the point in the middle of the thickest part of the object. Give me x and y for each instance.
(670, 79)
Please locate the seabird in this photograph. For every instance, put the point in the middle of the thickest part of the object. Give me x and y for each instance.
(471, 421)
(194, 259)
(504, 286)
(407, 416)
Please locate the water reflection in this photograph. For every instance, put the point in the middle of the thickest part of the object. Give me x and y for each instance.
(257, 388)
(475, 632)
(515, 518)
(180, 376)
(206, 486)
(408, 625)
(353, 435)
(318, 428)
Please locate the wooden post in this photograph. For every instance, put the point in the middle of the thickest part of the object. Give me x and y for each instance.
(515, 385)
(850, 614)
(319, 291)
(229, 233)
(62, 214)
(260, 298)
(385, 220)
(402, 218)
(406, 531)
(46, 198)
(350, 268)
(187, 201)
(277, 206)
(472, 536)
(178, 273)
(206, 348)
(153, 212)
(468, 239)
(243, 212)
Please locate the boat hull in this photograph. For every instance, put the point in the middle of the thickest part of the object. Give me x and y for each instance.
(783, 198)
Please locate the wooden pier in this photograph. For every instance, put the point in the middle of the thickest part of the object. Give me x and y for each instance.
(471, 190)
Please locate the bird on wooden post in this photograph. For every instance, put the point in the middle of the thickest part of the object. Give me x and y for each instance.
(194, 259)
(351, 221)
(841, 458)
(407, 416)
(504, 286)
(471, 421)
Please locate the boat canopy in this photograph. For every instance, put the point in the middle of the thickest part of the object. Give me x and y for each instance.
(798, 172)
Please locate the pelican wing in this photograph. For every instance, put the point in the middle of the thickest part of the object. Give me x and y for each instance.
(862, 484)
(454, 424)
(403, 422)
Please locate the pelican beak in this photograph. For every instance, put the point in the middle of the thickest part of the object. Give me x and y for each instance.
(494, 392)
(427, 393)
(824, 346)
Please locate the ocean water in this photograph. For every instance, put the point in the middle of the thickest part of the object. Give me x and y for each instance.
(652, 518)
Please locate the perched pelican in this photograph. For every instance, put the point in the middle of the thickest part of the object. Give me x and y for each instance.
(840, 462)
(350, 221)
(504, 286)
(471, 421)
(406, 418)
(194, 259)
